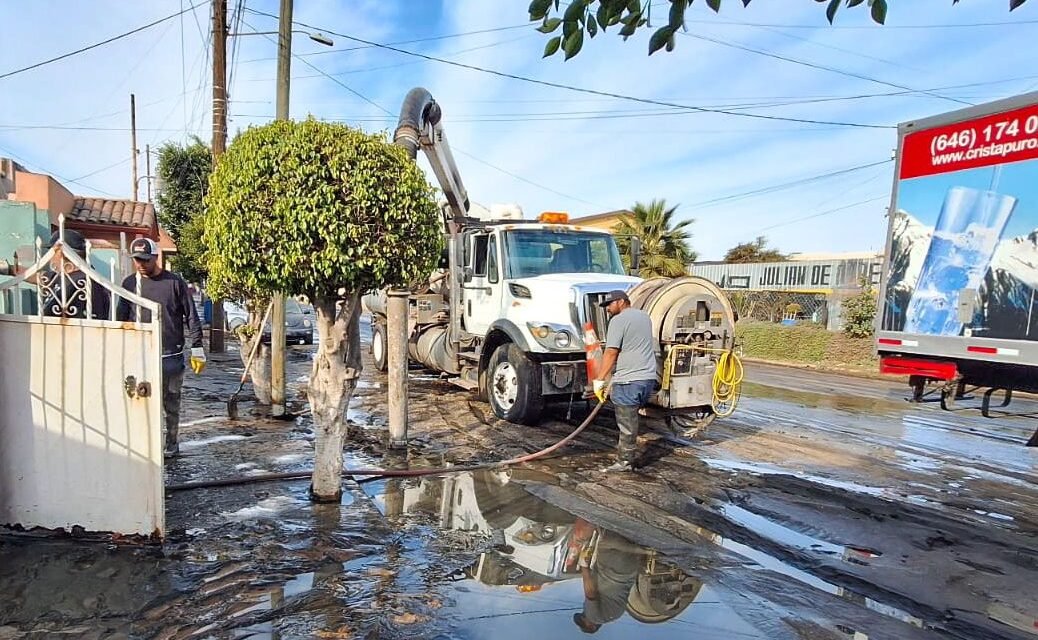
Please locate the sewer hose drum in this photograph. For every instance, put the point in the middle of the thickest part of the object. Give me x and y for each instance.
(694, 317)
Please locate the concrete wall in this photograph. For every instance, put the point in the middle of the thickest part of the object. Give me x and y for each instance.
(806, 276)
(43, 191)
(75, 449)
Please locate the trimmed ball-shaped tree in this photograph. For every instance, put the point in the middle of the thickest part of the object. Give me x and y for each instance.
(330, 212)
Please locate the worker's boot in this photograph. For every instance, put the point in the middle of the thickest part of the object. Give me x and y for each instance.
(627, 444)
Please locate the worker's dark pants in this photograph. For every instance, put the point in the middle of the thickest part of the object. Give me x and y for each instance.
(172, 382)
(627, 398)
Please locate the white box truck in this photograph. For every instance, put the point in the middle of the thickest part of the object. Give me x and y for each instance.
(957, 300)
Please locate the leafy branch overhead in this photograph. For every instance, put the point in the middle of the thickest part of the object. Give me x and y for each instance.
(628, 16)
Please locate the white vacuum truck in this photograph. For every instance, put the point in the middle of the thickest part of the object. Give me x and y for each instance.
(505, 313)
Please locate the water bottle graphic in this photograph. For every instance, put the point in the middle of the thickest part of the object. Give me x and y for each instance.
(968, 230)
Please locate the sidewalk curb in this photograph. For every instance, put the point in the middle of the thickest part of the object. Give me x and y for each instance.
(852, 372)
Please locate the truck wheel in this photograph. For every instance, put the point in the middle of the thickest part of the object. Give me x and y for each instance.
(378, 347)
(514, 386)
(692, 422)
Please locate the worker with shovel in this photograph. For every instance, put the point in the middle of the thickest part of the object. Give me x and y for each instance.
(629, 348)
(178, 310)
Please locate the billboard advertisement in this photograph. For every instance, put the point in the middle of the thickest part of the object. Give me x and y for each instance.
(964, 230)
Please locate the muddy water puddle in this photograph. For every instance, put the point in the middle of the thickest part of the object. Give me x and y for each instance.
(538, 570)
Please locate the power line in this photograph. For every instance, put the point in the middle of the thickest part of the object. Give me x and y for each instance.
(400, 42)
(607, 94)
(369, 69)
(852, 52)
(97, 44)
(529, 182)
(455, 148)
(812, 65)
(62, 178)
(102, 170)
(784, 185)
(327, 75)
(826, 212)
(886, 27)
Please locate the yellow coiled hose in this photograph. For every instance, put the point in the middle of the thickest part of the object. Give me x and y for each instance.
(727, 383)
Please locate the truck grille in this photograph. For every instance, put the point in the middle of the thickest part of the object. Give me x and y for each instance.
(595, 314)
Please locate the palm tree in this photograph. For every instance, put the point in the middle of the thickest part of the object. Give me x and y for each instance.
(664, 244)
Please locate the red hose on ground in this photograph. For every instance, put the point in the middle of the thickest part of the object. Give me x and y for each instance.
(387, 473)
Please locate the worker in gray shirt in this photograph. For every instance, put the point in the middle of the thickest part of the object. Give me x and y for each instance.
(629, 348)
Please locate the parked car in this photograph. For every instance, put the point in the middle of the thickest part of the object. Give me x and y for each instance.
(234, 315)
(299, 323)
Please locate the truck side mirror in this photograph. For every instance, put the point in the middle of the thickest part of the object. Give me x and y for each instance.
(636, 255)
(466, 274)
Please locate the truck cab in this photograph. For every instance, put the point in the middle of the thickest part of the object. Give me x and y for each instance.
(528, 288)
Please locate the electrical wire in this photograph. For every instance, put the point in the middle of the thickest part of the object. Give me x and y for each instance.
(97, 44)
(607, 94)
(102, 170)
(826, 212)
(885, 27)
(9, 153)
(783, 185)
(400, 42)
(455, 148)
(529, 182)
(812, 65)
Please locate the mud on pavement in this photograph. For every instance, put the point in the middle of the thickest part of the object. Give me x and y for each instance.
(826, 508)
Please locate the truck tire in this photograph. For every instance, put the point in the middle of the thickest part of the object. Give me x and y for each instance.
(378, 347)
(514, 386)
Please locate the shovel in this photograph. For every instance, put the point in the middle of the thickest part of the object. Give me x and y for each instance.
(232, 402)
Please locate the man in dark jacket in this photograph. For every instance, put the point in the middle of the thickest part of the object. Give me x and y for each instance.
(65, 296)
(178, 311)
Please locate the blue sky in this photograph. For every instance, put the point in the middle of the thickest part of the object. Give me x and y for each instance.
(544, 148)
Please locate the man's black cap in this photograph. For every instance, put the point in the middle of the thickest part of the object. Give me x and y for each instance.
(613, 296)
(73, 239)
(144, 249)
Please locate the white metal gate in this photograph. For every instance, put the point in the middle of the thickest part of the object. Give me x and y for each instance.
(80, 405)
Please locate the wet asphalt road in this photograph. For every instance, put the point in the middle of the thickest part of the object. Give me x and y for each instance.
(827, 507)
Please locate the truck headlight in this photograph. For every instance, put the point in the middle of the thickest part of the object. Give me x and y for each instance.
(307, 323)
(553, 336)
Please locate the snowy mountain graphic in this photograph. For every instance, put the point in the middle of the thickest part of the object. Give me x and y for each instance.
(1007, 296)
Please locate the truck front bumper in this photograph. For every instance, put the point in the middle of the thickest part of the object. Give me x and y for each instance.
(563, 378)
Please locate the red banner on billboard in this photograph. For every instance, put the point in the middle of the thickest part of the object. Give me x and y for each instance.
(1001, 138)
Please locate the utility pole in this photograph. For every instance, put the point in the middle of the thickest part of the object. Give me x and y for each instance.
(147, 168)
(216, 337)
(133, 143)
(277, 331)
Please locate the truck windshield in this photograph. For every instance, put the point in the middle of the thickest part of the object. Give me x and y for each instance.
(535, 252)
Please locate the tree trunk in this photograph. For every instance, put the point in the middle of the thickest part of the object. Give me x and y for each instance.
(332, 381)
(260, 371)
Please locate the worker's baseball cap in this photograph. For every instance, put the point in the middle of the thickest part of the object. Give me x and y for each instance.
(144, 249)
(613, 296)
(73, 240)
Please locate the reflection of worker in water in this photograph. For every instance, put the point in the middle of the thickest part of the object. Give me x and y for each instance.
(609, 567)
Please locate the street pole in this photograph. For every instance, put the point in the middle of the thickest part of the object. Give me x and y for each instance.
(396, 347)
(147, 168)
(277, 331)
(133, 144)
(216, 337)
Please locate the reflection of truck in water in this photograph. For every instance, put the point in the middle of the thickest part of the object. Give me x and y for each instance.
(958, 304)
(535, 544)
(506, 313)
